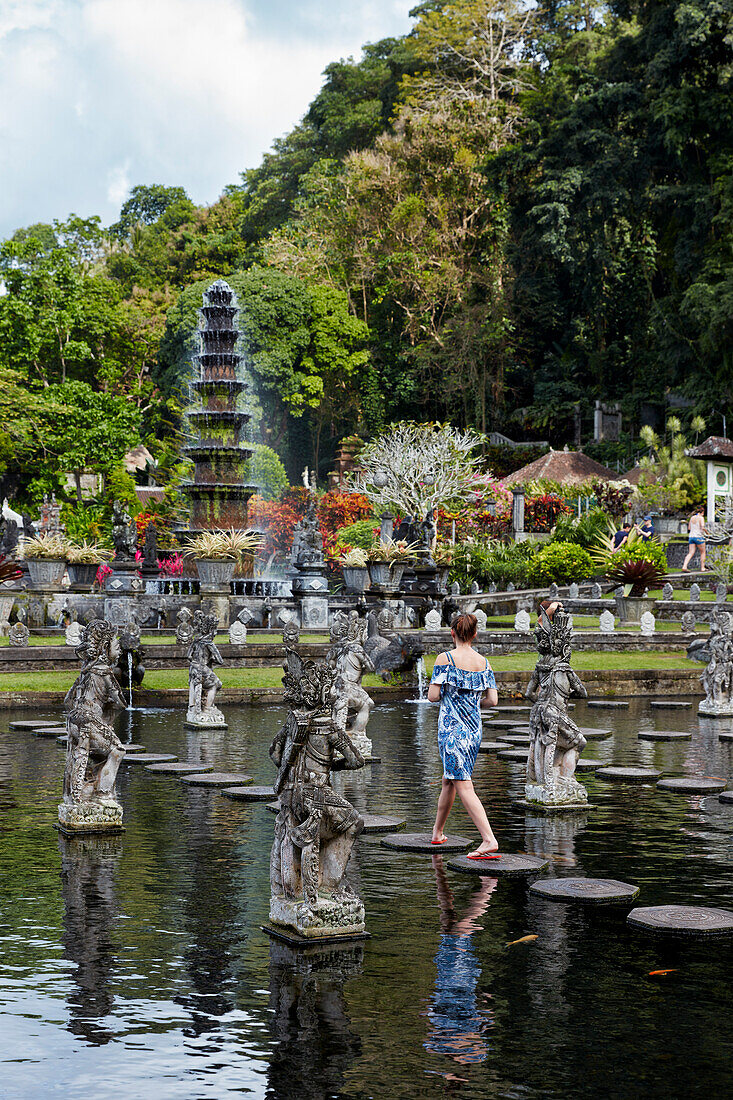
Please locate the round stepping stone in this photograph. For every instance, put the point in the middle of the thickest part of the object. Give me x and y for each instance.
(594, 734)
(726, 797)
(590, 891)
(419, 843)
(27, 725)
(588, 764)
(692, 784)
(669, 704)
(726, 735)
(135, 748)
(616, 774)
(148, 758)
(682, 920)
(178, 768)
(216, 779)
(524, 728)
(606, 703)
(517, 756)
(513, 709)
(379, 823)
(249, 794)
(511, 863)
(518, 738)
(49, 731)
(493, 746)
(664, 735)
(274, 807)
(505, 724)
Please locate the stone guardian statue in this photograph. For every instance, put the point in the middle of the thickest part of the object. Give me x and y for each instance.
(203, 683)
(555, 740)
(350, 660)
(315, 828)
(717, 678)
(93, 751)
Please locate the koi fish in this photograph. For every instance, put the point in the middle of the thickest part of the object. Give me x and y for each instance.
(523, 939)
(657, 973)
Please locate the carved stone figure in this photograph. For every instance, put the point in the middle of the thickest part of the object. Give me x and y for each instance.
(455, 589)
(475, 588)
(721, 593)
(668, 592)
(717, 678)
(203, 683)
(553, 591)
(150, 550)
(93, 751)
(555, 740)
(184, 630)
(389, 651)
(18, 634)
(688, 621)
(522, 622)
(647, 624)
(130, 670)
(492, 588)
(573, 591)
(238, 628)
(481, 618)
(433, 619)
(606, 622)
(307, 538)
(74, 634)
(291, 634)
(124, 532)
(595, 591)
(350, 660)
(315, 828)
(694, 593)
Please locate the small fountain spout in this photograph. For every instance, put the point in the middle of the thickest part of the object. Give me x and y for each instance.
(129, 677)
(421, 677)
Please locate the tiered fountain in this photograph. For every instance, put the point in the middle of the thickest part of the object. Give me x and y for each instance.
(218, 492)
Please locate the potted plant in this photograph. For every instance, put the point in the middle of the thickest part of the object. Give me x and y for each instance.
(637, 565)
(46, 557)
(387, 562)
(84, 562)
(443, 558)
(216, 554)
(354, 567)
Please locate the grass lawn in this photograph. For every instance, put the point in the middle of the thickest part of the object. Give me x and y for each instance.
(271, 677)
(169, 639)
(590, 623)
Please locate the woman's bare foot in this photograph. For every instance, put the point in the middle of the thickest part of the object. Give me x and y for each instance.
(438, 838)
(486, 846)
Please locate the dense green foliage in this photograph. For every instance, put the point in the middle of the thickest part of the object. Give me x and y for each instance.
(561, 562)
(492, 230)
(492, 562)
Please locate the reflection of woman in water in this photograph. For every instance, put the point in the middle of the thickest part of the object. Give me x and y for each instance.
(457, 1023)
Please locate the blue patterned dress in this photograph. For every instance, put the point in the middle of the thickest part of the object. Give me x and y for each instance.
(459, 723)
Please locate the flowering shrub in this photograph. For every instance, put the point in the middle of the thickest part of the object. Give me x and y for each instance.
(102, 573)
(541, 513)
(613, 496)
(277, 519)
(561, 562)
(172, 566)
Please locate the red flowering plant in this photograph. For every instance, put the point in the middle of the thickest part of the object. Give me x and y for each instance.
(277, 519)
(541, 513)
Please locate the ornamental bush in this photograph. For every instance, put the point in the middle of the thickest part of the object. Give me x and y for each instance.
(561, 562)
(361, 533)
(268, 472)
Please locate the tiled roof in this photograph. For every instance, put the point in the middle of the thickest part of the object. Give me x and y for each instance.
(567, 467)
(715, 446)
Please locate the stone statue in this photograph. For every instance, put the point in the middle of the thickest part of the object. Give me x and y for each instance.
(647, 624)
(668, 592)
(203, 683)
(555, 740)
(124, 532)
(389, 651)
(721, 593)
(307, 537)
(184, 630)
(522, 622)
(596, 592)
(688, 621)
(717, 678)
(130, 670)
(350, 660)
(74, 634)
(573, 591)
(433, 619)
(93, 751)
(150, 550)
(694, 593)
(606, 622)
(238, 628)
(19, 633)
(291, 634)
(315, 828)
(481, 618)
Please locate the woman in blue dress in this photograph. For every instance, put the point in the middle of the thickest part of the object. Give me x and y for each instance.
(462, 681)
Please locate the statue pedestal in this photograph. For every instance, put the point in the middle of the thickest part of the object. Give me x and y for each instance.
(563, 793)
(313, 611)
(124, 578)
(715, 710)
(212, 719)
(329, 919)
(83, 818)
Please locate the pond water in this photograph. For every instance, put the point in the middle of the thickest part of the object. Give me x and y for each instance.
(136, 966)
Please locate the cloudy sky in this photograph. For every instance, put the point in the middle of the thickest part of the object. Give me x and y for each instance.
(99, 95)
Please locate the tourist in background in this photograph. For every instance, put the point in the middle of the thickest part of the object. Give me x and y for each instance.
(462, 682)
(646, 529)
(697, 533)
(621, 535)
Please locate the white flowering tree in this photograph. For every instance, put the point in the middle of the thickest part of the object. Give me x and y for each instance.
(412, 468)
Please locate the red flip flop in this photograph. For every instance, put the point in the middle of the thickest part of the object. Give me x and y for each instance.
(443, 841)
(484, 855)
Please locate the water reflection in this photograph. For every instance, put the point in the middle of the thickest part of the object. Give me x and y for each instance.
(314, 1043)
(457, 1022)
(553, 835)
(88, 875)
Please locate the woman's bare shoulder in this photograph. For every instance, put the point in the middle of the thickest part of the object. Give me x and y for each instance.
(441, 659)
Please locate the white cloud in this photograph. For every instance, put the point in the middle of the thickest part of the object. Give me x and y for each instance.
(96, 95)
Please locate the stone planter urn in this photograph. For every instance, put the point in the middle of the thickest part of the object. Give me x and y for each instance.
(83, 574)
(215, 574)
(631, 608)
(46, 573)
(356, 578)
(386, 576)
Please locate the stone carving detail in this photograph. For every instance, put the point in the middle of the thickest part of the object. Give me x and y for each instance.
(573, 591)
(481, 617)
(238, 628)
(647, 624)
(433, 619)
(492, 588)
(455, 589)
(389, 651)
(184, 630)
(315, 828)
(522, 622)
(203, 683)
(688, 622)
(291, 634)
(596, 593)
(717, 678)
(124, 532)
(74, 634)
(510, 586)
(19, 633)
(555, 740)
(475, 588)
(93, 751)
(606, 622)
(694, 593)
(668, 592)
(350, 660)
(721, 593)
(553, 591)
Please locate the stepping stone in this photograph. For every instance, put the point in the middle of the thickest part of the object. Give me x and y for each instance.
(493, 746)
(615, 774)
(273, 807)
(178, 768)
(249, 794)
(725, 735)
(590, 891)
(378, 823)
(27, 725)
(518, 738)
(419, 843)
(511, 863)
(606, 703)
(664, 735)
(513, 709)
(726, 798)
(682, 920)
(524, 728)
(135, 748)
(216, 779)
(592, 734)
(148, 758)
(669, 704)
(505, 724)
(692, 784)
(588, 764)
(49, 731)
(517, 756)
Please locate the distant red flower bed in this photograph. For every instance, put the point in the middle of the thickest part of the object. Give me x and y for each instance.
(277, 519)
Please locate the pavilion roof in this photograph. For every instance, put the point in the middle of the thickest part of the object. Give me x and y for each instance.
(715, 446)
(566, 467)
